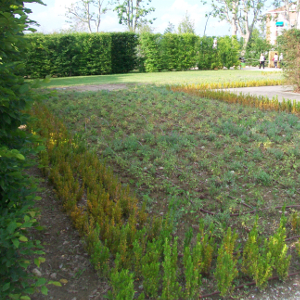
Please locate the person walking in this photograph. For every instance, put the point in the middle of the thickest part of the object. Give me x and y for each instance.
(281, 60)
(262, 61)
(275, 60)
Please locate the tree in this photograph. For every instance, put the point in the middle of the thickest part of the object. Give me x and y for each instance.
(289, 44)
(242, 15)
(17, 191)
(132, 13)
(170, 28)
(85, 13)
(186, 25)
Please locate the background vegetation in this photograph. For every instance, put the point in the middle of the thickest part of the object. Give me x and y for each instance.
(17, 190)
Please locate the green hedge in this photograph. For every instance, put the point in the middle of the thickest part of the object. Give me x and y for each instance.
(80, 54)
(184, 51)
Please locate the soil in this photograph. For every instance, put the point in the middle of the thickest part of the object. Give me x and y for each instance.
(93, 87)
(66, 258)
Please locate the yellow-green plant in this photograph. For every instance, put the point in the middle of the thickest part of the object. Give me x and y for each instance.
(257, 260)
(171, 287)
(279, 249)
(226, 269)
(122, 283)
(150, 265)
(192, 275)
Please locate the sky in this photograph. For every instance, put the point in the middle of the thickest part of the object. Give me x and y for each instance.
(52, 16)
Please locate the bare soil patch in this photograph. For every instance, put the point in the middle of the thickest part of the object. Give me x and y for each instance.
(93, 87)
(66, 258)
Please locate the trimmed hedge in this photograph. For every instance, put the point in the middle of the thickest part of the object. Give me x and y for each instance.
(186, 51)
(80, 54)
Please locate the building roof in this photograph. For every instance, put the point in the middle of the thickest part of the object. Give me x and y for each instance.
(279, 9)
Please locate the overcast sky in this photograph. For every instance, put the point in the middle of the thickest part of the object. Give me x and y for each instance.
(52, 16)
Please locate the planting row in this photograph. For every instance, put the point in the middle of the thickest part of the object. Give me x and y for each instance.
(206, 91)
(113, 225)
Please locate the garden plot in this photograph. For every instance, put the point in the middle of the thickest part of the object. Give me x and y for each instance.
(194, 157)
(191, 161)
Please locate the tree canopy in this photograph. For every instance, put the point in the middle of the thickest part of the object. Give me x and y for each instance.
(132, 13)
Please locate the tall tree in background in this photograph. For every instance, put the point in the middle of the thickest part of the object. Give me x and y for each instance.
(186, 25)
(170, 28)
(132, 13)
(242, 15)
(85, 13)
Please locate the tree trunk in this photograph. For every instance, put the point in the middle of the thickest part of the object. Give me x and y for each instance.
(234, 19)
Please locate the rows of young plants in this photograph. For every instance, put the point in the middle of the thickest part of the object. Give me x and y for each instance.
(189, 160)
(209, 91)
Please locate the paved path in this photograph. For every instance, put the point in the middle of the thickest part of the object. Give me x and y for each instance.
(269, 91)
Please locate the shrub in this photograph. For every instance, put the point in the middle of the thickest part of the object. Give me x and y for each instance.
(17, 190)
(289, 44)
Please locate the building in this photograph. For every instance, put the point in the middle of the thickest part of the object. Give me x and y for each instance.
(278, 20)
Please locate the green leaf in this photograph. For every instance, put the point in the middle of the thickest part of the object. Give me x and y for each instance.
(37, 198)
(12, 227)
(25, 298)
(37, 262)
(41, 281)
(56, 283)
(23, 238)
(14, 296)
(44, 290)
(16, 243)
(24, 264)
(40, 228)
(6, 287)
(20, 156)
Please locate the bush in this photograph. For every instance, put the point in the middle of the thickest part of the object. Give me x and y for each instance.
(289, 44)
(80, 54)
(17, 190)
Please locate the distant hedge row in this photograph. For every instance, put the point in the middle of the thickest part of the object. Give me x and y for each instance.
(82, 54)
(184, 51)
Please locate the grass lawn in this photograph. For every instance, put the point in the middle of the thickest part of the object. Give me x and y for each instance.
(191, 157)
(165, 78)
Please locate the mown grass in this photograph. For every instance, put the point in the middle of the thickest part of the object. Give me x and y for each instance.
(194, 158)
(165, 78)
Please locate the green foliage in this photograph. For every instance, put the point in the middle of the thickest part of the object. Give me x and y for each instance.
(255, 47)
(132, 13)
(122, 285)
(123, 51)
(192, 275)
(278, 250)
(186, 25)
(150, 47)
(79, 54)
(17, 190)
(226, 54)
(257, 260)
(151, 269)
(226, 269)
(289, 44)
(179, 51)
(99, 252)
(171, 287)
